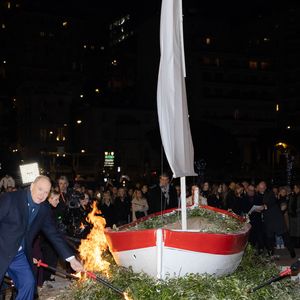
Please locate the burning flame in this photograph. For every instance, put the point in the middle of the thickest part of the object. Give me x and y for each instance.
(82, 226)
(92, 248)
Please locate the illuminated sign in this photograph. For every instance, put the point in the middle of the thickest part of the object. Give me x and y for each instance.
(109, 159)
(29, 172)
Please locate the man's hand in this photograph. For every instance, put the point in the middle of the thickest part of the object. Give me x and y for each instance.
(76, 265)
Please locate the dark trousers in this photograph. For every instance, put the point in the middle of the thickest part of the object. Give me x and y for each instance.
(20, 272)
(256, 237)
(50, 257)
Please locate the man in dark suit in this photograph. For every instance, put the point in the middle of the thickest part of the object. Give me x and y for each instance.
(22, 215)
(162, 196)
(273, 219)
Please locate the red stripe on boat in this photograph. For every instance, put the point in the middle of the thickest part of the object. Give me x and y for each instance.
(130, 240)
(213, 243)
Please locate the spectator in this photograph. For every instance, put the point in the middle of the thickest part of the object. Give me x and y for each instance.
(256, 237)
(235, 199)
(163, 195)
(7, 181)
(273, 220)
(108, 210)
(145, 190)
(48, 252)
(294, 215)
(205, 189)
(215, 196)
(122, 207)
(139, 205)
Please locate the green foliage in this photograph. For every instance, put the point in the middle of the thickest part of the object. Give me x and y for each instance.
(252, 271)
(211, 221)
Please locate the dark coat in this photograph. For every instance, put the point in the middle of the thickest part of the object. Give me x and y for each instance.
(14, 227)
(122, 211)
(273, 218)
(157, 200)
(294, 215)
(109, 214)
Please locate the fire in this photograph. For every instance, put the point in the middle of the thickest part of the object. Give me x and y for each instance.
(92, 248)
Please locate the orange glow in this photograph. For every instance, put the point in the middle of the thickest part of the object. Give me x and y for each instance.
(91, 249)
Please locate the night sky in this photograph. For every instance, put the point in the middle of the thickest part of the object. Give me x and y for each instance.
(104, 10)
(232, 26)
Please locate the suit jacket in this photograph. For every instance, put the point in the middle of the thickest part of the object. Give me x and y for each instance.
(157, 200)
(273, 218)
(14, 227)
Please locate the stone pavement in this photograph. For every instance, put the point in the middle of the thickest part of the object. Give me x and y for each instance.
(54, 290)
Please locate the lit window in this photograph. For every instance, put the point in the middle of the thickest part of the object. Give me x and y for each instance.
(97, 91)
(82, 151)
(4, 61)
(78, 121)
(51, 132)
(277, 107)
(65, 124)
(102, 48)
(65, 23)
(266, 39)
(3, 26)
(288, 127)
(264, 65)
(84, 46)
(207, 40)
(114, 62)
(57, 138)
(64, 155)
(8, 5)
(253, 65)
(81, 96)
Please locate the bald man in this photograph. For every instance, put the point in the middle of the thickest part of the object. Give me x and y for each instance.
(22, 215)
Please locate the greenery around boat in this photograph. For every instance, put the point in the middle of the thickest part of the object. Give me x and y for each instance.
(211, 221)
(252, 271)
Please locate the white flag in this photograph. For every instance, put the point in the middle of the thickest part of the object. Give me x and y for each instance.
(171, 93)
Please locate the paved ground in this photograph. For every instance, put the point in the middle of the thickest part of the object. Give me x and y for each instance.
(54, 289)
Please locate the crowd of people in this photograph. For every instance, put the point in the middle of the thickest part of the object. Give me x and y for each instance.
(274, 212)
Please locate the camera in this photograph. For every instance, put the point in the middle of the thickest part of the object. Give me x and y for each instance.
(75, 199)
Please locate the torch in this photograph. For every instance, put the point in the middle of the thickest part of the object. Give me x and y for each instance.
(285, 273)
(89, 274)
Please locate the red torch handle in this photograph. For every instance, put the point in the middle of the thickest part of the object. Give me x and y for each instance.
(285, 272)
(41, 264)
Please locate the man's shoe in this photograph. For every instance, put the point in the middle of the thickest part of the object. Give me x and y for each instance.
(293, 254)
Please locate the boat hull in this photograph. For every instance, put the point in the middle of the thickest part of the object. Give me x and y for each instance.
(163, 253)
